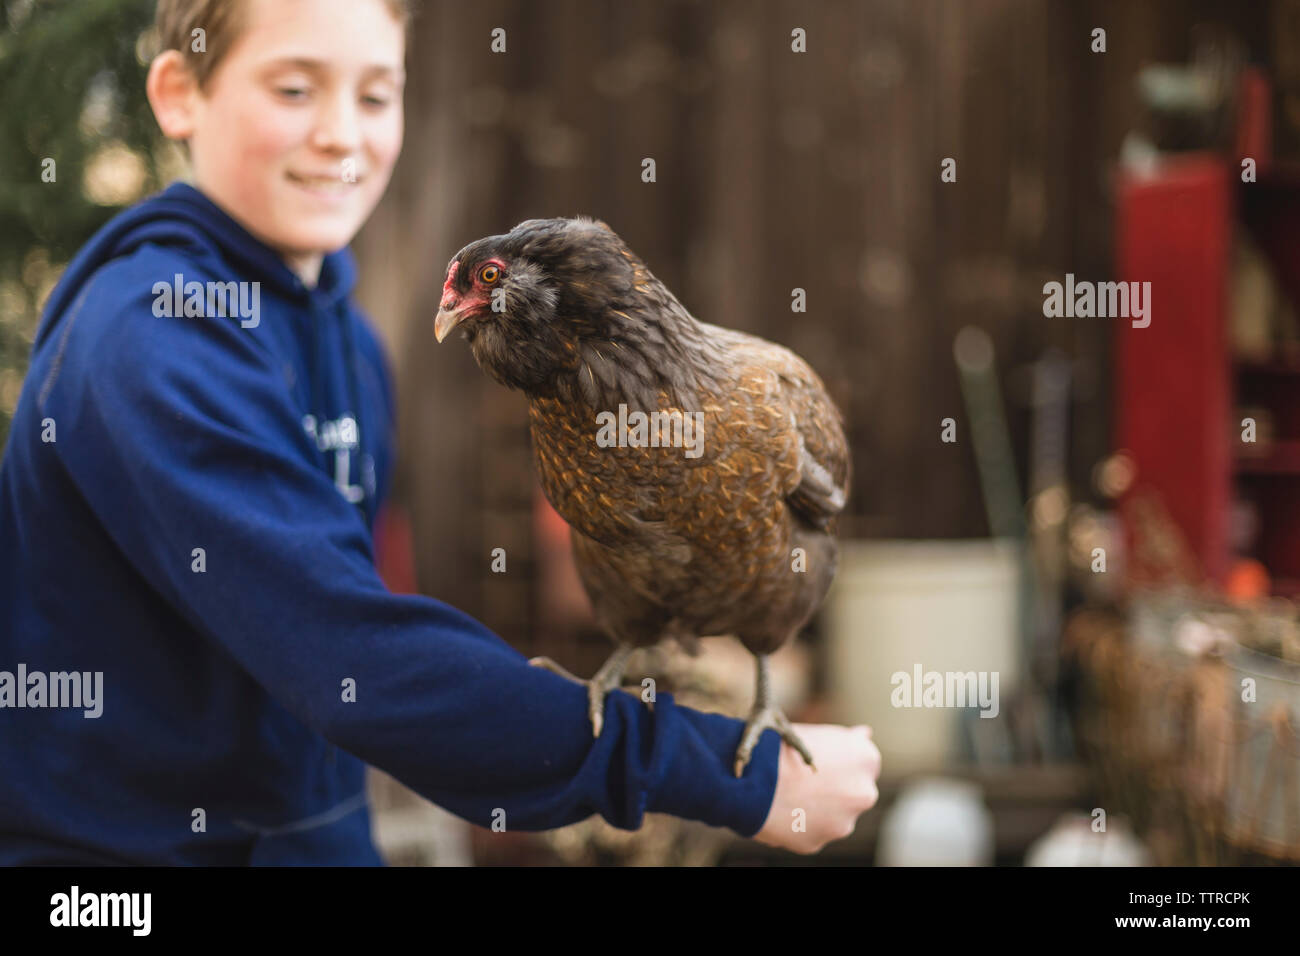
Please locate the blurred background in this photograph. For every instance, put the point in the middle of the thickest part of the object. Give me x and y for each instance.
(1103, 519)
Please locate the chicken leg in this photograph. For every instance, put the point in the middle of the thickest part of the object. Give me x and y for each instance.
(608, 678)
(763, 716)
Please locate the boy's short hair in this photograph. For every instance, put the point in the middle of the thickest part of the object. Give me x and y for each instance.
(176, 20)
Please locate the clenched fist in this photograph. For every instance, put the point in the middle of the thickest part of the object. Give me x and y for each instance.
(832, 797)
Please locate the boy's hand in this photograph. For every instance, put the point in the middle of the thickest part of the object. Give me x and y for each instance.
(833, 797)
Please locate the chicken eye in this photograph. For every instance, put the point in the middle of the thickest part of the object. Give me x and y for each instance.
(489, 274)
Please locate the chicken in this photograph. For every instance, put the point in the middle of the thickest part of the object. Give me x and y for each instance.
(701, 469)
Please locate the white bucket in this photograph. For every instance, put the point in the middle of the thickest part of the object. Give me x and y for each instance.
(948, 606)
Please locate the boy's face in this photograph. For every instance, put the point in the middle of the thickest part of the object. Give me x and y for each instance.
(301, 123)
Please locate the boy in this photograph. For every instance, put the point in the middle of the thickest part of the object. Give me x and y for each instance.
(186, 503)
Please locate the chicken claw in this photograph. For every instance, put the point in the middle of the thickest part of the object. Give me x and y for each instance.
(608, 678)
(547, 663)
(763, 716)
(760, 720)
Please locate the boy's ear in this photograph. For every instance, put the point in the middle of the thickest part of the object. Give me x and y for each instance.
(172, 90)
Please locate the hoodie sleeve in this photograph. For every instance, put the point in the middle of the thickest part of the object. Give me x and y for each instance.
(182, 434)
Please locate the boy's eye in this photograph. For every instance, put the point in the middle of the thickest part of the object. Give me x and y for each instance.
(292, 92)
(375, 100)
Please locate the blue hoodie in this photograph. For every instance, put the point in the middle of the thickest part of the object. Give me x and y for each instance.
(186, 508)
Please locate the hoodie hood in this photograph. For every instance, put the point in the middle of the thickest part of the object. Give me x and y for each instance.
(183, 216)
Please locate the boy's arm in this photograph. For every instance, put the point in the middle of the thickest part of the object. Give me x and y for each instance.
(181, 434)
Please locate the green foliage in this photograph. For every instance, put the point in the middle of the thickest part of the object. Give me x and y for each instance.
(71, 90)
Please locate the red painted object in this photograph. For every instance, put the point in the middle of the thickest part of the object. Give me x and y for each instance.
(395, 550)
(1179, 393)
(1254, 135)
(1173, 379)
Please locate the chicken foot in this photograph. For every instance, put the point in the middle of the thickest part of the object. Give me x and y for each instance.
(608, 678)
(763, 716)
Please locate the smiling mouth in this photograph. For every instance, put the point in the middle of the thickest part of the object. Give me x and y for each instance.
(324, 184)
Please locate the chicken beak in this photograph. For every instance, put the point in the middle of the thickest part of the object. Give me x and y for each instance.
(447, 320)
